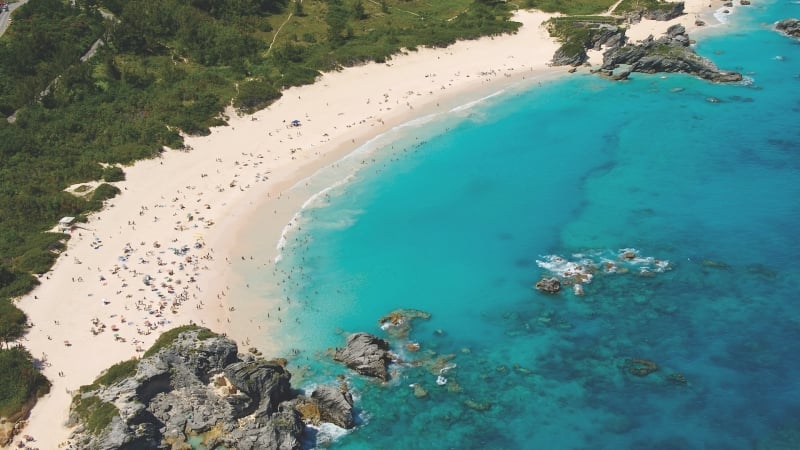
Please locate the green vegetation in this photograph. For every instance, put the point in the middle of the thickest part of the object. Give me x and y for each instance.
(571, 7)
(20, 382)
(168, 337)
(117, 372)
(639, 5)
(94, 413)
(13, 323)
(576, 32)
(112, 174)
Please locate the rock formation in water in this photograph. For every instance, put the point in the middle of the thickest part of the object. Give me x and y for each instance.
(366, 354)
(397, 323)
(669, 53)
(549, 285)
(197, 385)
(790, 27)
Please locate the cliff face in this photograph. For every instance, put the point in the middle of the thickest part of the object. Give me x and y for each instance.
(196, 386)
(669, 53)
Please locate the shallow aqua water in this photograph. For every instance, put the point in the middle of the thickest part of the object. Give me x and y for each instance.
(459, 220)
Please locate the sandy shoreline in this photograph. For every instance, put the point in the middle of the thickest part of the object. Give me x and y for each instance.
(168, 252)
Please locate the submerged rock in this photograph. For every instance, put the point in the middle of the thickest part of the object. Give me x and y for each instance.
(419, 391)
(640, 367)
(477, 406)
(366, 354)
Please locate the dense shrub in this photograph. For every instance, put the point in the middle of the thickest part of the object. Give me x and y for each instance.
(20, 381)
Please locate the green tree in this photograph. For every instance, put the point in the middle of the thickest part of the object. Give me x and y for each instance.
(336, 18)
(13, 322)
(19, 380)
(298, 8)
(358, 10)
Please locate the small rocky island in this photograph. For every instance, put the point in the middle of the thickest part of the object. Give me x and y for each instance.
(790, 27)
(193, 384)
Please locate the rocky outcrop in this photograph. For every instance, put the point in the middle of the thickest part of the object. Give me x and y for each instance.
(366, 354)
(336, 406)
(667, 11)
(568, 56)
(582, 36)
(607, 36)
(398, 323)
(789, 27)
(549, 285)
(669, 53)
(195, 386)
(265, 382)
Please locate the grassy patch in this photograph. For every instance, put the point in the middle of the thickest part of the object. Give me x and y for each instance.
(571, 7)
(117, 372)
(95, 413)
(639, 5)
(168, 337)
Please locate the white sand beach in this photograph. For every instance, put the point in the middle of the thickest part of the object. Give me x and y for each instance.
(160, 254)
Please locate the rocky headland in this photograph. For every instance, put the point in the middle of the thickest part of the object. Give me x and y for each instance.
(790, 27)
(582, 33)
(669, 53)
(194, 384)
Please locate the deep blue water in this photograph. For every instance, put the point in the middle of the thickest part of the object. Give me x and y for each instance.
(462, 215)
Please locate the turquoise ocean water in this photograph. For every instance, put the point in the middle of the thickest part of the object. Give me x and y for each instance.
(461, 215)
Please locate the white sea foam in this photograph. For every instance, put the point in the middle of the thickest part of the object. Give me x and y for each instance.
(581, 268)
(473, 103)
(319, 199)
(327, 434)
(447, 368)
(423, 120)
(721, 16)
